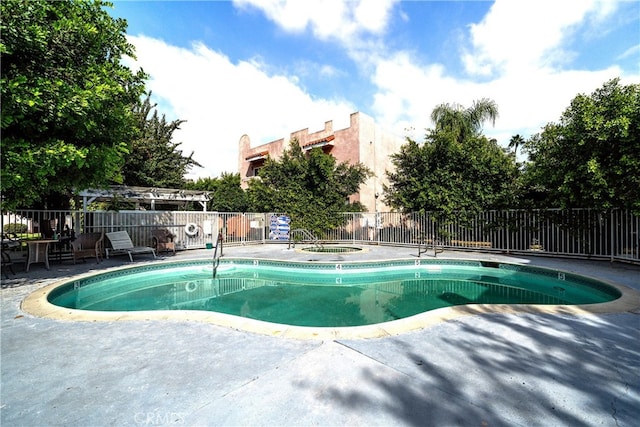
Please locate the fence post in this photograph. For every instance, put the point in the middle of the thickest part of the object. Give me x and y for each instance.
(612, 238)
(508, 236)
(353, 228)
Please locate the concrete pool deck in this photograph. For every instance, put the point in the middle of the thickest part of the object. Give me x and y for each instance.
(489, 369)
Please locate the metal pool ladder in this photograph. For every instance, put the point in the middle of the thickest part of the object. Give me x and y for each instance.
(307, 236)
(424, 244)
(216, 257)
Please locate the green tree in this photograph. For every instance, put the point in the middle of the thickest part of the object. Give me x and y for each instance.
(310, 187)
(446, 176)
(155, 160)
(462, 122)
(591, 157)
(456, 169)
(66, 98)
(227, 194)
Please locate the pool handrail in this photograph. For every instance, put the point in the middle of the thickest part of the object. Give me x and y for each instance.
(216, 257)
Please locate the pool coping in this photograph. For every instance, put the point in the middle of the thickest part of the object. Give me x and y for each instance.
(36, 304)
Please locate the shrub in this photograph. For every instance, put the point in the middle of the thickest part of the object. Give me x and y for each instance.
(16, 228)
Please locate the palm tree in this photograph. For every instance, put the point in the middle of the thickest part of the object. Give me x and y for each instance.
(464, 122)
(516, 141)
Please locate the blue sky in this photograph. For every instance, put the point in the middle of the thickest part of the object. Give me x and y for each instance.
(266, 68)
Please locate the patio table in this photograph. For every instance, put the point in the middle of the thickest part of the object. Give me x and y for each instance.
(38, 252)
(60, 248)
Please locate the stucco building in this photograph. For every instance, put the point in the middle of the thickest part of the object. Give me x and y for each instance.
(363, 141)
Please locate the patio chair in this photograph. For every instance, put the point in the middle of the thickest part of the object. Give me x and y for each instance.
(46, 228)
(8, 243)
(121, 242)
(88, 245)
(163, 240)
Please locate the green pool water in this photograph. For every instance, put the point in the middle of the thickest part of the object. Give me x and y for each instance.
(326, 295)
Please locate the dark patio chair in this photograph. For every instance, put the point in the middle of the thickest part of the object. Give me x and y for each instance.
(88, 245)
(163, 240)
(8, 243)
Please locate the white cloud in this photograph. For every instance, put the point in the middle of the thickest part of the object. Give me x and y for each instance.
(305, 68)
(408, 92)
(519, 49)
(342, 20)
(221, 101)
(524, 34)
(633, 50)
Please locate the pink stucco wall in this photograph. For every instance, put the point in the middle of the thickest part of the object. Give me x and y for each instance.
(363, 141)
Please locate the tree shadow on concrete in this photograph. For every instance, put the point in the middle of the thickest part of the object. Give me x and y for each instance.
(508, 369)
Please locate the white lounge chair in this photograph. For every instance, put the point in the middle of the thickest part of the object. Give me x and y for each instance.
(121, 242)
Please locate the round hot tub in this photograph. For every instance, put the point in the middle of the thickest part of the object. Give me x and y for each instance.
(331, 249)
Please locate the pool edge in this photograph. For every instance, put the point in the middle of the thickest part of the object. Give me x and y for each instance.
(36, 304)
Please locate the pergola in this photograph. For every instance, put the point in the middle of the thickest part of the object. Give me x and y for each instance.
(145, 195)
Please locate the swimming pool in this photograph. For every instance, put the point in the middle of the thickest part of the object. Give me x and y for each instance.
(324, 295)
